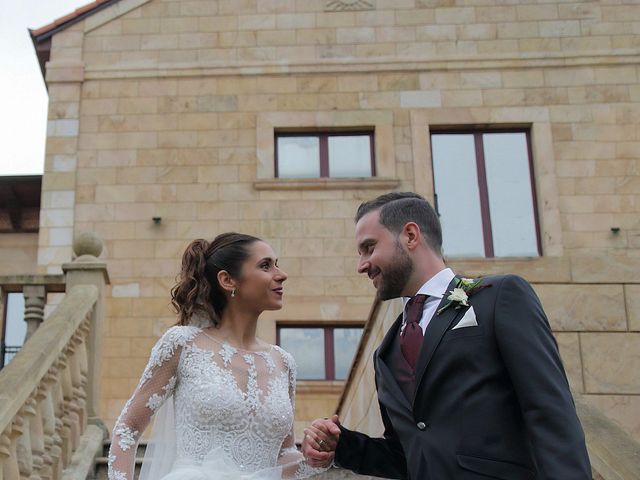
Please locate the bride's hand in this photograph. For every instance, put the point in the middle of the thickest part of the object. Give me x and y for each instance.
(320, 441)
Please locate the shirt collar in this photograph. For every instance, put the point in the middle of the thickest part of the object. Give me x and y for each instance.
(436, 286)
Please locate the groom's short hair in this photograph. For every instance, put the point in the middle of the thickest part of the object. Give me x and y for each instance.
(399, 208)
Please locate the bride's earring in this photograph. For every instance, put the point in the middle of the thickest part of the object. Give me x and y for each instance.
(233, 293)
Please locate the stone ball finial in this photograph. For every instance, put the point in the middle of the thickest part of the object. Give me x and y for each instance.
(87, 243)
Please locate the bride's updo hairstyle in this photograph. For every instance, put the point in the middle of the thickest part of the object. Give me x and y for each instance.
(197, 292)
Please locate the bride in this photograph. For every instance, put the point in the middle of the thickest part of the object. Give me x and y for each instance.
(223, 399)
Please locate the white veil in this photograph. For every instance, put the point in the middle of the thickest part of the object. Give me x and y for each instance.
(161, 449)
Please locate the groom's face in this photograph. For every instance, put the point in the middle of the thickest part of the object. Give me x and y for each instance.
(382, 257)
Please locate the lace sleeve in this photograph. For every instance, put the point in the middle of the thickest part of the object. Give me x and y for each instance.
(294, 466)
(156, 385)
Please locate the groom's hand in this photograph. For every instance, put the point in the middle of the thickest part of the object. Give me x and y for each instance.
(320, 441)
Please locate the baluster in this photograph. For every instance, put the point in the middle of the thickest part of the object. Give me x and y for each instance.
(79, 396)
(70, 399)
(65, 394)
(10, 470)
(23, 443)
(57, 405)
(48, 426)
(37, 431)
(84, 369)
(35, 437)
(34, 300)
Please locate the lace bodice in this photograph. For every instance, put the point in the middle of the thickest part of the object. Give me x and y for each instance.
(240, 403)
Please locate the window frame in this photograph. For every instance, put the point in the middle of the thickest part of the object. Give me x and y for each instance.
(323, 147)
(4, 348)
(483, 188)
(329, 352)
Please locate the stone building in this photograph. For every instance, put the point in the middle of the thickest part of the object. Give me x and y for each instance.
(171, 120)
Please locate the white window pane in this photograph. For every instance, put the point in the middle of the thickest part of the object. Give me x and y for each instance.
(510, 199)
(307, 347)
(350, 156)
(16, 328)
(298, 157)
(345, 342)
(456, 186)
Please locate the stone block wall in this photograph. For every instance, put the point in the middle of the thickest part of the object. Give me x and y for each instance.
(18, 253)
(168, 108)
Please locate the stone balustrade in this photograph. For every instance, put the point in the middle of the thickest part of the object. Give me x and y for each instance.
(34, 289)
(49, 391)
(43, 401)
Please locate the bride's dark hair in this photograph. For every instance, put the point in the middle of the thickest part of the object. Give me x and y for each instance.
(197, 289)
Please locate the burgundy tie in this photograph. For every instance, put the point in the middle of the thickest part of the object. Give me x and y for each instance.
(411, 336)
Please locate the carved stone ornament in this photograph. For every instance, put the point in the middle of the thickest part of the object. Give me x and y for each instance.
(348, 5)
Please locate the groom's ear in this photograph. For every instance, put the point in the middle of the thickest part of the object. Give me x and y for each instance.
(411, 232)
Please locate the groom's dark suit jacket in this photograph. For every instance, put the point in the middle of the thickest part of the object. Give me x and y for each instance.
(491, 401)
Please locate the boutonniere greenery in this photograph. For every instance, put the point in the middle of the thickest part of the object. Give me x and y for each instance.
(459, 296)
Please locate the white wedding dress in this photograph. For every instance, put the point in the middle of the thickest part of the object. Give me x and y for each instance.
(222, 413)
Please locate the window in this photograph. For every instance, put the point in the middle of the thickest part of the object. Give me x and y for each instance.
(15, 328)
(321, 352)
(485, 194)
(315, 155)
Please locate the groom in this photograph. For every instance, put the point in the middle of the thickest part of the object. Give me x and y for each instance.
(469, 379)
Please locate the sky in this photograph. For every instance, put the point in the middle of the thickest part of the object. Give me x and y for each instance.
(23, 96)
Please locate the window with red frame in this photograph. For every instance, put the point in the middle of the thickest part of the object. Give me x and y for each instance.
(321, 352)
(325, 154)
(485, 193)
(13, 328)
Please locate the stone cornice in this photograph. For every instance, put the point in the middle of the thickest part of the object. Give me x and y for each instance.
(379, 64)
(15, 283)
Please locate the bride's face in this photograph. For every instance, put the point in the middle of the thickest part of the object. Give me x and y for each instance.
(261, 281)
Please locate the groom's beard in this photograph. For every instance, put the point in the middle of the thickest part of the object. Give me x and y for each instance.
(396, 275)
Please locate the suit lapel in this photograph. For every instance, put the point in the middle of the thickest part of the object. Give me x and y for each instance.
(437, 327)
(387, 383)
(389, 337)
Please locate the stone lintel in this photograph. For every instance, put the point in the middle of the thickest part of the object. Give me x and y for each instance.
(327, 184)
(315, 387)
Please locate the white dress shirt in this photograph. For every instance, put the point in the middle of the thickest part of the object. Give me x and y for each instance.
(436, 288)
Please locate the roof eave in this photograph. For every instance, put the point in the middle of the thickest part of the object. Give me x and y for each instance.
(41, 37)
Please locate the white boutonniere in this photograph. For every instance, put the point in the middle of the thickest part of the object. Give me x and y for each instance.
(459, 296)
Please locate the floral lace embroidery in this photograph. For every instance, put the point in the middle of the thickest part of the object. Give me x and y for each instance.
(163, 350)
(155, 401)
(268, 360)
(253, 392)
(127, 436)
(227, 353)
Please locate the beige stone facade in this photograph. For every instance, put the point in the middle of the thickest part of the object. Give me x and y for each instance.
(167, 108)
(18, 253)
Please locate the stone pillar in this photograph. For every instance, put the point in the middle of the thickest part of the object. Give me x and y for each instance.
(35, 297)
(86, 269)
(64, 79)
